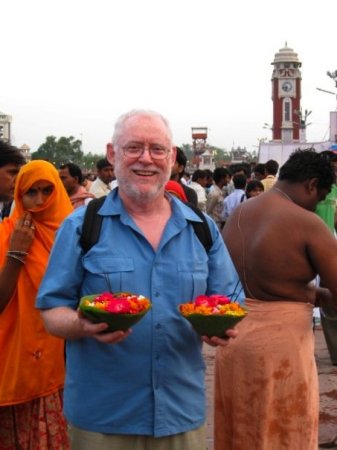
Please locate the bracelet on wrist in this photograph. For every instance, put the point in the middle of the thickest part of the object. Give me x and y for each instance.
(17, 252)
(17, 258)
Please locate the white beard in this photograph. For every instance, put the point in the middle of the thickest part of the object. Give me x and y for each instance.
(132, 191)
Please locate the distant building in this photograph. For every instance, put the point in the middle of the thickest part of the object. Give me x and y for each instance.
(207, 160)
(25, 149)
(280, 152)
(5, 127)
(289, 125)
(240, 154)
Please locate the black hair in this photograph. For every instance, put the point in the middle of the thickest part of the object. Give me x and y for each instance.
(181, 157)
(102, 163)
(74, 171)
(306, 164)
(199, 174)
(238, 167)
(259, 168)
(239, 181)
(10, 155)
(271, 167)
(252, 185)
(219, 173)
(329, 155)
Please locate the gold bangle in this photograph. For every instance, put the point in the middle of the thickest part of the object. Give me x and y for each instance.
(17, 252)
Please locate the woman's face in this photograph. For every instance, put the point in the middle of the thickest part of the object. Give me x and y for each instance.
(37, 195)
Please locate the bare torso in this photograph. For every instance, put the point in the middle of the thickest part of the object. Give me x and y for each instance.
(279, 247)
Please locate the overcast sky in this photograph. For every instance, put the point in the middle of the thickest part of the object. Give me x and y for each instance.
(71, 67)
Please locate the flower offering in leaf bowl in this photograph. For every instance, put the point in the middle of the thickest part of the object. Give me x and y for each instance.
(119, 310)
(212, 315)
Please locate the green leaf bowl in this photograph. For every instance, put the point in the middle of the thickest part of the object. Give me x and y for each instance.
(116, 322)
(213, 325)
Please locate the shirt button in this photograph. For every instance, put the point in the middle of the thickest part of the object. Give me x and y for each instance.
(158, 326)
(156, 294)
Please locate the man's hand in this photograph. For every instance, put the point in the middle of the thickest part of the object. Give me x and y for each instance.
(215, 341)
(98, 331)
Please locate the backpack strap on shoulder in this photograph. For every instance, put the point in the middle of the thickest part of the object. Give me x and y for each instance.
(201, 229)
(92, 224)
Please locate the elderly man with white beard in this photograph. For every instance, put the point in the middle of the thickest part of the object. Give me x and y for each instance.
(143, 388)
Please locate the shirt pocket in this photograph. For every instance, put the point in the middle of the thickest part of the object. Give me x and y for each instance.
(192, 279)
(107, 273)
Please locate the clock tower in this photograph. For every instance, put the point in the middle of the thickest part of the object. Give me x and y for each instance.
(286, 96)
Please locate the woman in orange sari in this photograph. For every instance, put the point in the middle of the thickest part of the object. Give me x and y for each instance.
(32, 361)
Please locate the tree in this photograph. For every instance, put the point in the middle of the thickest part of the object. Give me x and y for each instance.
(89, 160)
(60, 151)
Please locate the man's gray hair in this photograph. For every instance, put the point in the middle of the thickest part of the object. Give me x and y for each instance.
(133, 113)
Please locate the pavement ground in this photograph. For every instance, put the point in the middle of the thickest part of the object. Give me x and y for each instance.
(327, 374)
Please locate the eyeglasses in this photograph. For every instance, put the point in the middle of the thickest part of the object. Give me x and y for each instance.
(33, 192)
(134, 150)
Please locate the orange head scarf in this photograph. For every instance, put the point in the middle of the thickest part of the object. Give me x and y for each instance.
(48, 217)
(31, 363)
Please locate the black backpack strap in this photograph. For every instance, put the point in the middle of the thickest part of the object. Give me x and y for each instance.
(201, 229)
(92, 224)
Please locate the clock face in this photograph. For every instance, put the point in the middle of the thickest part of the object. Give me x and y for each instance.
(287, 86)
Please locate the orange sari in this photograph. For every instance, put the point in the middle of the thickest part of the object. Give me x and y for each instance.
(32, 361)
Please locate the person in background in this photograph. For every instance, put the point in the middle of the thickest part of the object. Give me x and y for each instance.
(186, 178)
(266, 383)
(87, 182)
(209, 182)
(254, 188)
(105, 175)
(326, 210)
(215, 197)
(270, 171)
(237, 169)
(32, 361)
(143, 389)
(177, 174)
(198, 184)
(259, 172)
(11, 159)
(236, 197)
(175, 188)
(72, 179)
(240, 169)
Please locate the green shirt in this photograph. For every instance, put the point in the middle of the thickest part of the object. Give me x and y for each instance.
(326, 209)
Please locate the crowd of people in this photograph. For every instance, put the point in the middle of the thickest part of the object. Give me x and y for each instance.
(66, 382)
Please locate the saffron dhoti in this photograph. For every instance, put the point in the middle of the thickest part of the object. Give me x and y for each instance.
(266, 383)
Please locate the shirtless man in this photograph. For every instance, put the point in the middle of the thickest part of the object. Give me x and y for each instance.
(278, 246)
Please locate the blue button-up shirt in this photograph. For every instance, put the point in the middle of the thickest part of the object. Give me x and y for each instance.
(153, 382)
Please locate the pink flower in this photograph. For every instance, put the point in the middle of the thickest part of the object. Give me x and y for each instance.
(104, 297)
(119, 305)
(201, 300)
(220, 299)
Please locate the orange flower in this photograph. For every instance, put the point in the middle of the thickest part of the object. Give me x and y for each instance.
(214, 304)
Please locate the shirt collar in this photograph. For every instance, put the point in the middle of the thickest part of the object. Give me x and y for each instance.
(113, 206)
